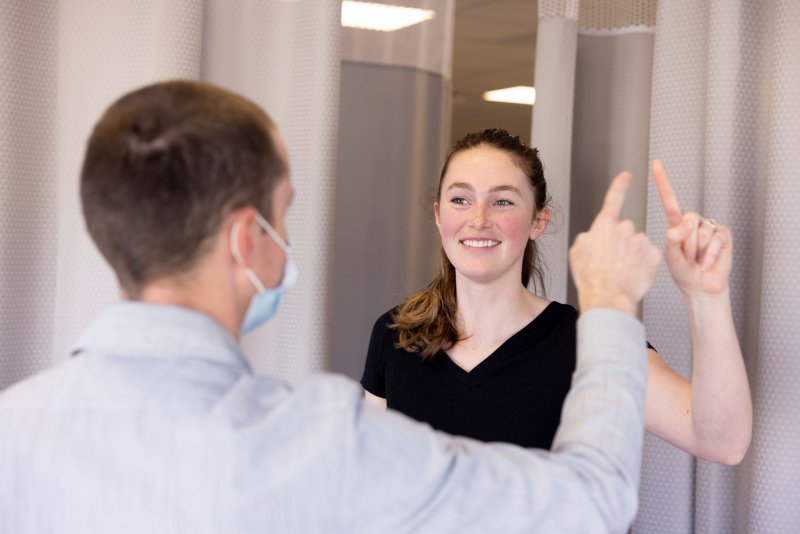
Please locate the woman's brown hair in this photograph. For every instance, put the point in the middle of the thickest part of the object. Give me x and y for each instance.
(426, 321)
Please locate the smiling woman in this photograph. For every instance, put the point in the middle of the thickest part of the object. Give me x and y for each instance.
(478, 354)
(460, 353)
(487, 207)
(491, 188)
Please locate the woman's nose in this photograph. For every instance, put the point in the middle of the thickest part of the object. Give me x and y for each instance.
(480, 218)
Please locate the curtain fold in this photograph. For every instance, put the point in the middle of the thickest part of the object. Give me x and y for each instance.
(610, 131)
(723, 112)
(724, 115)
(28, 199)
(285, 56)
(394, 129)
(64, 62)
(105, 48)
(551, 130)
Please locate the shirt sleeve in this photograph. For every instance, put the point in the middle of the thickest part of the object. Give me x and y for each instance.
(401, 476)
(373, 379)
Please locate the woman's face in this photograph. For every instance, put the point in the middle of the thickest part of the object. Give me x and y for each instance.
(485, 214)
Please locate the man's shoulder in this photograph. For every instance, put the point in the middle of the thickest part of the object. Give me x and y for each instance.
(317, 393)
(331, 391)
(323, 408)
(37, 387)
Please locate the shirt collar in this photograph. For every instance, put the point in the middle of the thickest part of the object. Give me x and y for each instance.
(140, 329)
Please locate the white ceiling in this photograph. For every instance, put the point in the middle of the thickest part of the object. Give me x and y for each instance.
(494, 47)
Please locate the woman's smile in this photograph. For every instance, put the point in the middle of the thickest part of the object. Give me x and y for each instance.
(480, 243)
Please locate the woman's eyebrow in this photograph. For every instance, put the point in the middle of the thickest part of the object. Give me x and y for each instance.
(510, 188)
(460, 185)
(464, 185)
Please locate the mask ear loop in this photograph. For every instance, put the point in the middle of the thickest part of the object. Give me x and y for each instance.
(272, 233)
(235, 244)
(237, 255)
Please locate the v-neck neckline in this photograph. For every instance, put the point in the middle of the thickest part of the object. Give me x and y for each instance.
(485, 365)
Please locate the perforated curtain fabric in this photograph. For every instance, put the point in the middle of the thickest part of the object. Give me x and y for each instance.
(551, 130)
(726, 119)
(105, 48)
(591, 118)
(394, 130)
(390, 153)
(286, 57)
(28, 198)
(610, 131)
(63, 63)
(724, 114)
(617, 16)
(427, 46)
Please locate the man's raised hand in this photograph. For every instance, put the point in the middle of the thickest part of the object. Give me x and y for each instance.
(612, 265)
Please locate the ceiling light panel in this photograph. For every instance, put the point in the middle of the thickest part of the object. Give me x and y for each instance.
(519, 94)
(382, 17)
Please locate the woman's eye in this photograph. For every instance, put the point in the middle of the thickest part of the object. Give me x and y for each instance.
(459, 200)
(504, 202)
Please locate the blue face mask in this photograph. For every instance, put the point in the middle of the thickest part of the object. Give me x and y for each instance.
(264, 304)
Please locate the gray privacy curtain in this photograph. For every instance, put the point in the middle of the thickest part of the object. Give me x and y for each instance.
(63, 62)
(710, 88)
(726, 115)
(394, 128)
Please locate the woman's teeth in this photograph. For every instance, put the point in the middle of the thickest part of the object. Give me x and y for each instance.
(480, 243)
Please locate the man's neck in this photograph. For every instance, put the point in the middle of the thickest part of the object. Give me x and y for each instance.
(204, 293)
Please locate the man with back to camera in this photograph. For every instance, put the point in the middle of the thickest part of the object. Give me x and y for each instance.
(158, 424)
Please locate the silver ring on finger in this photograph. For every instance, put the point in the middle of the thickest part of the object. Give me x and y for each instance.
(710, 222)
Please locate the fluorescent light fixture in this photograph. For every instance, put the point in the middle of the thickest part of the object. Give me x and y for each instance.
(382, 17)
(512, 95)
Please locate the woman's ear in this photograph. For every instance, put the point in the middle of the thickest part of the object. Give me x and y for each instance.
(436, 214)
(540, 222)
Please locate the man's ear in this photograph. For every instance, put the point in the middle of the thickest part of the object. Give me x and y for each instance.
(540, 222)
(241, 241)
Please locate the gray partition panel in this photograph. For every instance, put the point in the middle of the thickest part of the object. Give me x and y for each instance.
(385, 240)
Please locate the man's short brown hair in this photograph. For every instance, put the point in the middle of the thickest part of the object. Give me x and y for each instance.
(164, 165)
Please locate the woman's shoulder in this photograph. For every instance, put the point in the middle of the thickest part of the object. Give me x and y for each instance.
(385, 319)
(382, 330)
(560, 311)
(553, 317)
(563, 308)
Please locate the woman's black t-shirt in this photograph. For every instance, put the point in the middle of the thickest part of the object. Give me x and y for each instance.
(514, 395)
